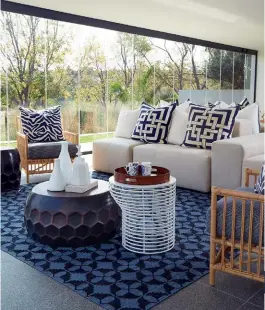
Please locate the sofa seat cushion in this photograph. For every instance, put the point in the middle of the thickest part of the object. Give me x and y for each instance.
(228, 228)
(109, 154)
(190, 166)
(45, 150)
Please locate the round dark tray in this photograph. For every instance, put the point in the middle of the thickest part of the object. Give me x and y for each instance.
(159, 175)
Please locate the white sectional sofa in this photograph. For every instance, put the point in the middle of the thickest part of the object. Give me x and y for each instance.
(231, 157)
(193, 168)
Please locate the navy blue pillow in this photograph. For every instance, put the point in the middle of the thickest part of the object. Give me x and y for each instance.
(259, 186)
(206, 126)
(153, 124)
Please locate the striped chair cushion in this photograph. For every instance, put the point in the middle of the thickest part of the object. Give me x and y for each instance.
(238, 221)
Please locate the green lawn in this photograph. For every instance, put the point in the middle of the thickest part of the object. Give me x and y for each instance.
(83, 139)
(91, 138)
(14, 144)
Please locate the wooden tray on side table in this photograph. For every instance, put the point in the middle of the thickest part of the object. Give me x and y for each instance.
(159, 175)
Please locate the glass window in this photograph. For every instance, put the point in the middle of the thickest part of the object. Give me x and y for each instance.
(93, 73)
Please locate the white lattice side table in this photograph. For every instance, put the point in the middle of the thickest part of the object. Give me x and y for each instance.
(148, 215)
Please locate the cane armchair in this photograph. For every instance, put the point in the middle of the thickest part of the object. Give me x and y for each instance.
(237, 231)
(30, 163)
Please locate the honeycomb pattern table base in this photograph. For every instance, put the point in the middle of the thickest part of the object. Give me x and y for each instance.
(10, 169)
(71, 219)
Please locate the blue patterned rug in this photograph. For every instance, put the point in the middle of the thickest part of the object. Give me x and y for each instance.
(108, 274)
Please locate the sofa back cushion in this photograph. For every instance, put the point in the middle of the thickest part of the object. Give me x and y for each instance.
(206, 126)
(42, 126)
(178, 127)
(126, 123)
(242, 127)
(153, 124)
(251, 113)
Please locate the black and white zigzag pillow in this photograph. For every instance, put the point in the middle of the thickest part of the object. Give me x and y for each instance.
(206, 126)
(42, 126)
(259, 186)
(153, 124)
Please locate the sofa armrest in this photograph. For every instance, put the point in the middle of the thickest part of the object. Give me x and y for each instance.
(243, 127)
(228, 156)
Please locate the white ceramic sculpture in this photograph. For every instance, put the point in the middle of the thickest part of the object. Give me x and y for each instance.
(80, 174)
(80, 181)
(65, 162)
(57, 181)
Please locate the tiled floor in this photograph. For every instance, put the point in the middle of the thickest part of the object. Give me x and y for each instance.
(25, 288)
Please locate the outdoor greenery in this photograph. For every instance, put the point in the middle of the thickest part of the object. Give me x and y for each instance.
(36, 72)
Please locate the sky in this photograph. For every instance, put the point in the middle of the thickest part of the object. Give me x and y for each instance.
(107, 39)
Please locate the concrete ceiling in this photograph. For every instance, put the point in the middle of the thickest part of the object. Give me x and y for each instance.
(230, 11)
(233, 22)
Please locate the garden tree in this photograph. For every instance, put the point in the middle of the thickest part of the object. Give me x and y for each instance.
(94, 74)
(213, 68)
(33, 46)
(177, 65)
(198, 78)
(131, 49)
(143, 83)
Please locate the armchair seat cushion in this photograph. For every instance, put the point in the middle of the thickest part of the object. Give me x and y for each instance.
(228, 228)
(44, 150)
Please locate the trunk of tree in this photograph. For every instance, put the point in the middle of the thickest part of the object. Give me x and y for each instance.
(194, 70)
(6, 129)
(26, 96)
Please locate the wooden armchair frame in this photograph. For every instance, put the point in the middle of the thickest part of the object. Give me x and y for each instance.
(37, 166)
(248, 252)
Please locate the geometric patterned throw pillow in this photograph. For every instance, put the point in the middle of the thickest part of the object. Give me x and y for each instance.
(244, 103)
(259, 186)
(153, 124)
(206, 126)
(42, 126)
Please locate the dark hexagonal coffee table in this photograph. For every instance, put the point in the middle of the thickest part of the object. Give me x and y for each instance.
(71, 219)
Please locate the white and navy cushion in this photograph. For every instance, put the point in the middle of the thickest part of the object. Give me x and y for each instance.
(42, 126)
(259, 186)
(212, 105)
(206, 126)
(244, 103)
(153, 124)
